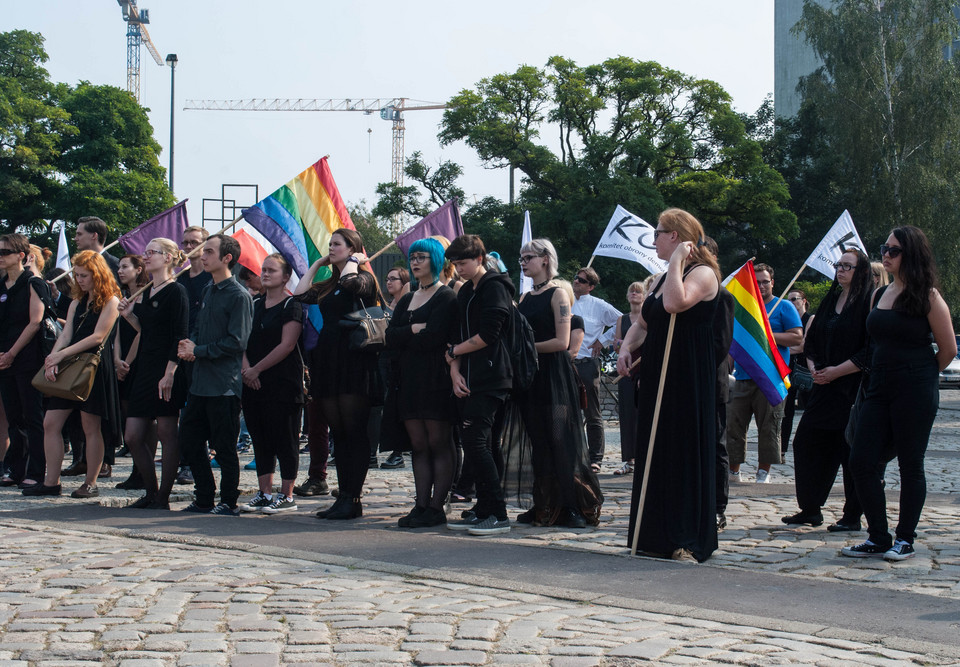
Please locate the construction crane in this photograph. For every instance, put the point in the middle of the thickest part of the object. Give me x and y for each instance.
(390, 109)
(136, 20)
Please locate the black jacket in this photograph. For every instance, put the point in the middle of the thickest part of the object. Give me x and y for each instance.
(485, 311)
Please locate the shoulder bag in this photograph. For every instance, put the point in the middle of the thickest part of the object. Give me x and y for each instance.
(75, 375)
(367, 326)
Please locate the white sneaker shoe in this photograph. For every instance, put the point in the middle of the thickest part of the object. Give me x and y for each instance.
(763, 477)
(735, 476)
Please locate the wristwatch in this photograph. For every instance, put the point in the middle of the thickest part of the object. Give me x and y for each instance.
(451, 353)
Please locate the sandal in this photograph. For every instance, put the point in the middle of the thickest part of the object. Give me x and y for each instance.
(625, 469)
(595, 467)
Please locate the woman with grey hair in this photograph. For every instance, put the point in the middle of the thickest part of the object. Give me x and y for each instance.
(564, 489)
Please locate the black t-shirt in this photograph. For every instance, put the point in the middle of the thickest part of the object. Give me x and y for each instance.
(194, 293)
(283, 382)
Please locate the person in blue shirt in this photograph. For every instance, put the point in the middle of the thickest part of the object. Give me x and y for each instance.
(747, 400)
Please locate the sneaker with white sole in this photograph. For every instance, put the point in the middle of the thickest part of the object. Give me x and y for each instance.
(763, 476)
(735, 476)
(224, 509)
(257, 503)
(901, 550)
(280, 504)
(490, 526)
(865, 550)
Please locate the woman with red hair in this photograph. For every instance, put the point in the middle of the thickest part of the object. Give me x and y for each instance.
(89, 324)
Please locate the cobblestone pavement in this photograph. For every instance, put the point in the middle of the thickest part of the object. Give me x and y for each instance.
(120, 601)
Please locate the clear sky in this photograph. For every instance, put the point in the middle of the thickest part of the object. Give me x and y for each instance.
(423, 49)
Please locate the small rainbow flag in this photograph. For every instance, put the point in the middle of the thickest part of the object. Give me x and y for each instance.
(298, 219)
(753, 345)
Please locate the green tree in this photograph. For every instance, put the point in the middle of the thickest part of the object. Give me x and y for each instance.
(887, 100)
(625, 132)
(32, 127)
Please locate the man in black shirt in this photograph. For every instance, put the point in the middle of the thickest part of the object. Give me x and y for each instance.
(91, 234)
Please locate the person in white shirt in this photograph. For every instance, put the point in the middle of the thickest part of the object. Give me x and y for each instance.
(599, 322)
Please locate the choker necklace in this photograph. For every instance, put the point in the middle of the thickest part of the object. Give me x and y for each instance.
(426, 287)
(539, 285)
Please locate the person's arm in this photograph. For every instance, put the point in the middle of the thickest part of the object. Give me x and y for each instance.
(576, 338)
(680, 295)
(180, 314)
(942, 328)
(789, 338)
(460, 388)
(106, 320)
(306, 281)
(561, 322)
(634, 339)
(289, 336)
(432, 334)
(126, 310)
(29, 331)
(494, 309)
(610, 318)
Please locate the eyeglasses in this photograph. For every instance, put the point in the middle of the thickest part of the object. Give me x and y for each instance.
(795, 298)
(391, 279)
(658, 232)
(845, 266)
(892, 251)
(526, 258)
(148, 253)
(764, 282)
(4, 252)
(582, 281)
(419, 257)
(190, 244)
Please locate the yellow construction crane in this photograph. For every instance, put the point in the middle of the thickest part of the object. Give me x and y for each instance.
(390, 109)
(136, 20)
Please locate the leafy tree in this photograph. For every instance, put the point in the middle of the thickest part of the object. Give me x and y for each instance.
(887, 100)
(32, 126)
(625, 132)
(373, 229)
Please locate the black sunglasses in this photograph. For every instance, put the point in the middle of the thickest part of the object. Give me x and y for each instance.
(582, 281)
(7, 251)
(893, 251)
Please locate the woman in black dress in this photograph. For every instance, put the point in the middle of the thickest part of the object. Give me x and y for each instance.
(418, 331)
(393, 435)
(565, 490)
(273, 394)
(89, 326)
(627, 386)
(679, 514)
(835, 348)
(132, 277)
(901, 394)
(159, 390)
(21, 311)
(346, 382)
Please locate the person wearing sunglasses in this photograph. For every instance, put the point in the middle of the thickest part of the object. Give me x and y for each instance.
(835, 348)
(901, 393)
(679, 517)
(600, 321)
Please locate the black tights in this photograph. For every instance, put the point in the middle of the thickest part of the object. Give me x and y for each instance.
(347, 415)
(433, 460)
(143, 449)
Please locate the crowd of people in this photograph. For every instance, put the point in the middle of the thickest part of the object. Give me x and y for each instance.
(184, 350)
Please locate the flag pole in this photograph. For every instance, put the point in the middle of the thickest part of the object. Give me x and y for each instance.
(67, 273)
(777, 304)
(382, 250)
(592, 257)
(653, 434)
(189, 255)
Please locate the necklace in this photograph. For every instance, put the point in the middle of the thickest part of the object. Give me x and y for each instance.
(539, 285)
(426, 287)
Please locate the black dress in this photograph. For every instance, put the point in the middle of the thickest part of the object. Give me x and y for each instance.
(680, 504)
(550, 409)
(282, 382)
(164, 318)
(627, 400)
(425, 391)
(127, 335)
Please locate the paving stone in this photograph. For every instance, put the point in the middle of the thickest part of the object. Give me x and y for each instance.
(451, 658)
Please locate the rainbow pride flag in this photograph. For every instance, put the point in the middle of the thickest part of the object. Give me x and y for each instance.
(753, 346)
(298, 219)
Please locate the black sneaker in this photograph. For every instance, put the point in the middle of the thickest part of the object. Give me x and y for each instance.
(466, 523)
(184, 476)
(429, 518)
(901, 550)
(257, 503)
(866, 550)
(280, 504)
(842, 526)
(490, 526)
(804, 518)
(197, 509)
(393, 461)
(224, 509)
(404, 521)
(721, 521)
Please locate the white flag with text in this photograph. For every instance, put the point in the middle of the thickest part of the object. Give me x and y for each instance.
(63, 251)
(842, 235)
(526, 284)
(630, 237)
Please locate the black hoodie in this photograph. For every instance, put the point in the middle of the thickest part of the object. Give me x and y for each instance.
(485, 310)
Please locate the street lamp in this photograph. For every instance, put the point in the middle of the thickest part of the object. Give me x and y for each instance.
(172, 61)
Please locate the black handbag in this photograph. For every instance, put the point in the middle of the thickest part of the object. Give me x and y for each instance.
(851, 431)
(801, 378)
(367, 327)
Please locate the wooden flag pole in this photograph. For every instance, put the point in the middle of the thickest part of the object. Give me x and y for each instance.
(592, 257)
(189, 255)
(653, 434)
(381, 251)
(67, 273)
(777, 304)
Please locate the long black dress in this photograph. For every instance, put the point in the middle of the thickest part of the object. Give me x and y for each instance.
(164, 318)
(562, 477)
(680, 504)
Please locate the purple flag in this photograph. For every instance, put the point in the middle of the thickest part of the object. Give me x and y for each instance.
(445, 221)
(167, 225)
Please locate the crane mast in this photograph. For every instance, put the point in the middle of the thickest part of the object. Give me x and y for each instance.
(137, 35)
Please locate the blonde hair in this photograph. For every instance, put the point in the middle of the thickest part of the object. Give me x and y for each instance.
(544, 248)
(40, 256)
(638, 286)
(172, 249)
(688, 228)
(880, 274)
(194, 228)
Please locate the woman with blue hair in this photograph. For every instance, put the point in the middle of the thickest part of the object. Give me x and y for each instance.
(418, 331)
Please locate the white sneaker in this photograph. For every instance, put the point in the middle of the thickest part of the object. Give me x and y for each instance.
(735, 476)
(257, 503)
(763, 477)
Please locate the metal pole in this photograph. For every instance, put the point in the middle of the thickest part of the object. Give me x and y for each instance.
(172, 61)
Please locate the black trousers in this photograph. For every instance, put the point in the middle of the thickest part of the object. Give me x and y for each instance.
(896, 416)
(589, 372)
(275, 431)
(215, 419)
(723, 459)
(818, 453)
(478, 412)
(24, 407)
